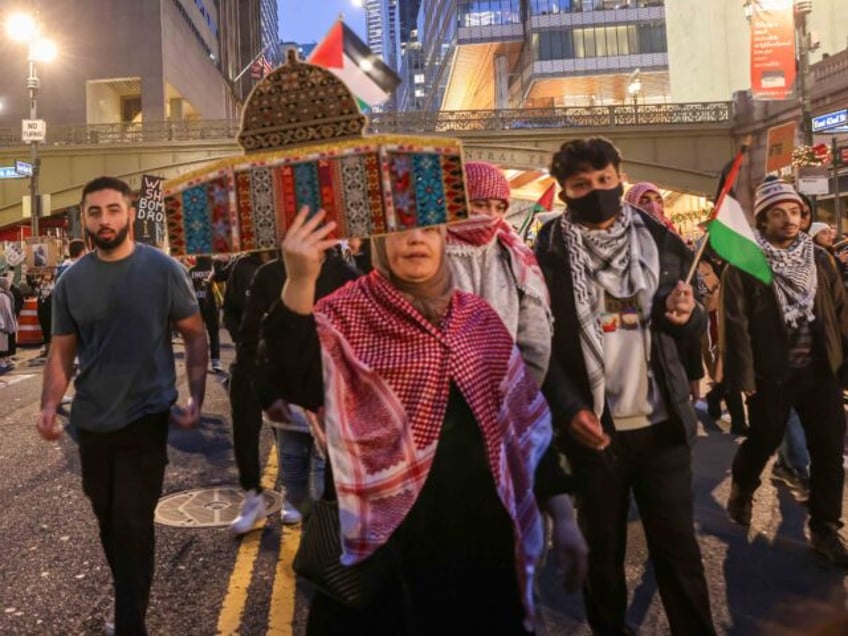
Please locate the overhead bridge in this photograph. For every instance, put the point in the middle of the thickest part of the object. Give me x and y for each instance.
(677, 146)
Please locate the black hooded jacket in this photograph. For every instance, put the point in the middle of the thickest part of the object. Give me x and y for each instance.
(566, 386)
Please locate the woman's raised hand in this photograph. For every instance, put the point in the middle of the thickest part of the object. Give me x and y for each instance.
(303, 253)
(304, 245)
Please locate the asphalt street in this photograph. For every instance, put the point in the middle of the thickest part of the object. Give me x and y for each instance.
(54, 579)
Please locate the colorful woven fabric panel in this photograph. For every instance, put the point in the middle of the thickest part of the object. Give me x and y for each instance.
(373, 185)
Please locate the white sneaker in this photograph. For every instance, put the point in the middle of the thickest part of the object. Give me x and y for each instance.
(216, 366)
(290, 515)
(252, 510)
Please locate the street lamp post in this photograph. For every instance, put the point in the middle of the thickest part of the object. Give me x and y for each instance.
(32, 87)
(802, 9)
(23, 28)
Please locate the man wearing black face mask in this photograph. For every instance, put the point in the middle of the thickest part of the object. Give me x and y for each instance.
(617, 388)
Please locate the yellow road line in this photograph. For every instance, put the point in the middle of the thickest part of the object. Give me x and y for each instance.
(232, 609)
(281, 613)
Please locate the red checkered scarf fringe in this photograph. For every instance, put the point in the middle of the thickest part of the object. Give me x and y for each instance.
(384, 363)
(481, 230)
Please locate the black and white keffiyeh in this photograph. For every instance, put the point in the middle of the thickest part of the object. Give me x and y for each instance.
(795, 278)
(624, 261)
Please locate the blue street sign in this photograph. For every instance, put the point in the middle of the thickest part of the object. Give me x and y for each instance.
(23, 168)
(834, 122)
(9, 172)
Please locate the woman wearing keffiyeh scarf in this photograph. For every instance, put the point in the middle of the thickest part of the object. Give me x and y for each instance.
(646, 196)
(490, 260)
(436, 436)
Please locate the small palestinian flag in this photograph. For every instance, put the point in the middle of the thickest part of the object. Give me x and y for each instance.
(545, 203)
(730, 233)
(346, 56)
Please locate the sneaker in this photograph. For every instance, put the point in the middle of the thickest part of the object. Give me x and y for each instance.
(740, 505)
(252, 510)
(216, 366)
(831, 546)
(290, 515)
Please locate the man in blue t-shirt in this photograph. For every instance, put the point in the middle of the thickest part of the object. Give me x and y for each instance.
(114, 309)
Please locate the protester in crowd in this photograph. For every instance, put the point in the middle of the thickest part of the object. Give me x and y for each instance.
(17, 308)
(720, 390)
(784, 348)
(202, 274)
(44, 310)
(8, 326)
(822, 235)
(647, 197)
(437, 438)
(238, 276)
(114, 308)
(709, 284)
(76, 250)
(489, 259)
(301, 466)
(618, 391)
(17, 292)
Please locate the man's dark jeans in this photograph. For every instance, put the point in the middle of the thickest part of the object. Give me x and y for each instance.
(122, 474)
(656, 466)
(246, 413)
(816, 396)
(209, 312)
(44, 311)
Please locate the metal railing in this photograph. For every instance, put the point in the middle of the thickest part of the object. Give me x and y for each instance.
(403, 122)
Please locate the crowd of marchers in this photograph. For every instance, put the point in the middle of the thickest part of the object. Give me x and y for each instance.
(442, 391)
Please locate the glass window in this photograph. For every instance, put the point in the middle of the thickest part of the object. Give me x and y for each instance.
(553, 7)
(652, 38)
(554, 45)
(489, 12)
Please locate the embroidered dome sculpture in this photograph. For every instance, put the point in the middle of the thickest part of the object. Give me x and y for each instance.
(299, 104)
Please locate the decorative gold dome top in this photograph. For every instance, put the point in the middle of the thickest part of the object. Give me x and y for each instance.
(299, 104)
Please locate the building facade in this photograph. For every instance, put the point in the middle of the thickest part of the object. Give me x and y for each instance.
(269, 26)
(129, 62)
(492, 54)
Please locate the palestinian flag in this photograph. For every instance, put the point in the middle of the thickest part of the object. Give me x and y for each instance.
(544, 204)
(349, 58)
(730, 233)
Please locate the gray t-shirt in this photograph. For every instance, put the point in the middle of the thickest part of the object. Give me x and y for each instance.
(121, 313)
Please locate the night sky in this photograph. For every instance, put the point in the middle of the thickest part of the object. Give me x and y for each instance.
(305, 21)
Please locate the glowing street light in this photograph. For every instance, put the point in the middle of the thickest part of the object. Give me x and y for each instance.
(43, 50)
(20, 27)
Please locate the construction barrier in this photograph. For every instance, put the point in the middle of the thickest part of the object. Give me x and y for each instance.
(29, 330)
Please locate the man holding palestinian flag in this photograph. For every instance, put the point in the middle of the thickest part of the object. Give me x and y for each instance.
(785, 319)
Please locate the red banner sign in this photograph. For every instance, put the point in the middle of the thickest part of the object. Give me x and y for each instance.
(772, 49)
(779, 144)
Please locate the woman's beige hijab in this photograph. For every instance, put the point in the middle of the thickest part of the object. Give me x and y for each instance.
(431, 297)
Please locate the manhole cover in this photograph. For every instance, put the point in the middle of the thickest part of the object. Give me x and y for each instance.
(208, 507)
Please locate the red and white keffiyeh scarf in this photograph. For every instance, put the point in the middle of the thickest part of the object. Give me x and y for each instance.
(387, 377)
(481, 230)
